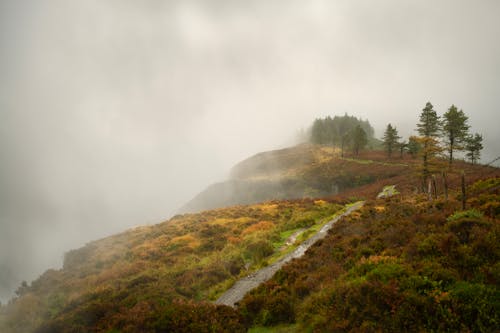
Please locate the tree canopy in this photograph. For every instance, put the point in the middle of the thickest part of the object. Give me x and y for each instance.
(429, 129)
(455, 130)
(429, 125)
(474, 145)
(333, 130)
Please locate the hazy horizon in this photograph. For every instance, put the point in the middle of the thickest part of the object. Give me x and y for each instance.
(115, 113)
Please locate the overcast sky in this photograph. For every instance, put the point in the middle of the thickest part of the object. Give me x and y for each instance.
(114, 113)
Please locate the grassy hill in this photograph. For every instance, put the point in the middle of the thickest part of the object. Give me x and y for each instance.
(403, 263)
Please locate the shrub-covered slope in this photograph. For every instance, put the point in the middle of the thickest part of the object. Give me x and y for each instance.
(159, 278)
(402, 264)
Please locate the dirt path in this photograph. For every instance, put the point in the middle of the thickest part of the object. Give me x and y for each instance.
(243, 286)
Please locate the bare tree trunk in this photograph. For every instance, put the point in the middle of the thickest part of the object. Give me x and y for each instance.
(451, 153)
(434, 187)
(463, 190)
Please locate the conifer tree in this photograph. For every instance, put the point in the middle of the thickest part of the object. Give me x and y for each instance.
(455, 130)
(474, 145)
(390, 139)
(429, 122)
(429, 129)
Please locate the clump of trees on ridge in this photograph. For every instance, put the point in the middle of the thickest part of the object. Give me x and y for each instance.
(342, 131)
(439, 138)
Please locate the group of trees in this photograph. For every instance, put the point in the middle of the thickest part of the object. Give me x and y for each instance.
(437, 135)
(342, 131)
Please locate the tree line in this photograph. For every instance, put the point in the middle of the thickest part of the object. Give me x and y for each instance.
(437, 135)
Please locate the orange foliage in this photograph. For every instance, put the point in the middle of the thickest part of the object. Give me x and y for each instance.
(262, 225)
(234, 240)
(189, 240)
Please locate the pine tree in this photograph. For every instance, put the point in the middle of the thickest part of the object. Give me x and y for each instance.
(390, 139)
(429, 122)
(429, 129)
(474, 145)
(455, 130)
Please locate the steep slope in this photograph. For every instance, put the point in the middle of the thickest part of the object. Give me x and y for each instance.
(296, 172)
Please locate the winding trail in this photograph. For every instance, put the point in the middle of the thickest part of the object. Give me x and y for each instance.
(244, 285)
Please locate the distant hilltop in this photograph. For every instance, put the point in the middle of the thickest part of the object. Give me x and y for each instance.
(303, 171)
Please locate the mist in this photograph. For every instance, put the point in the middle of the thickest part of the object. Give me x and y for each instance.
(115, 113)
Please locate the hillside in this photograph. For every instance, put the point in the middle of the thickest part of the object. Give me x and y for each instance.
(297, 172)
(148, 278)
(402, 263)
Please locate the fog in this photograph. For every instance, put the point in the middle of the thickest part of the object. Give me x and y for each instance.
(114, 113)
